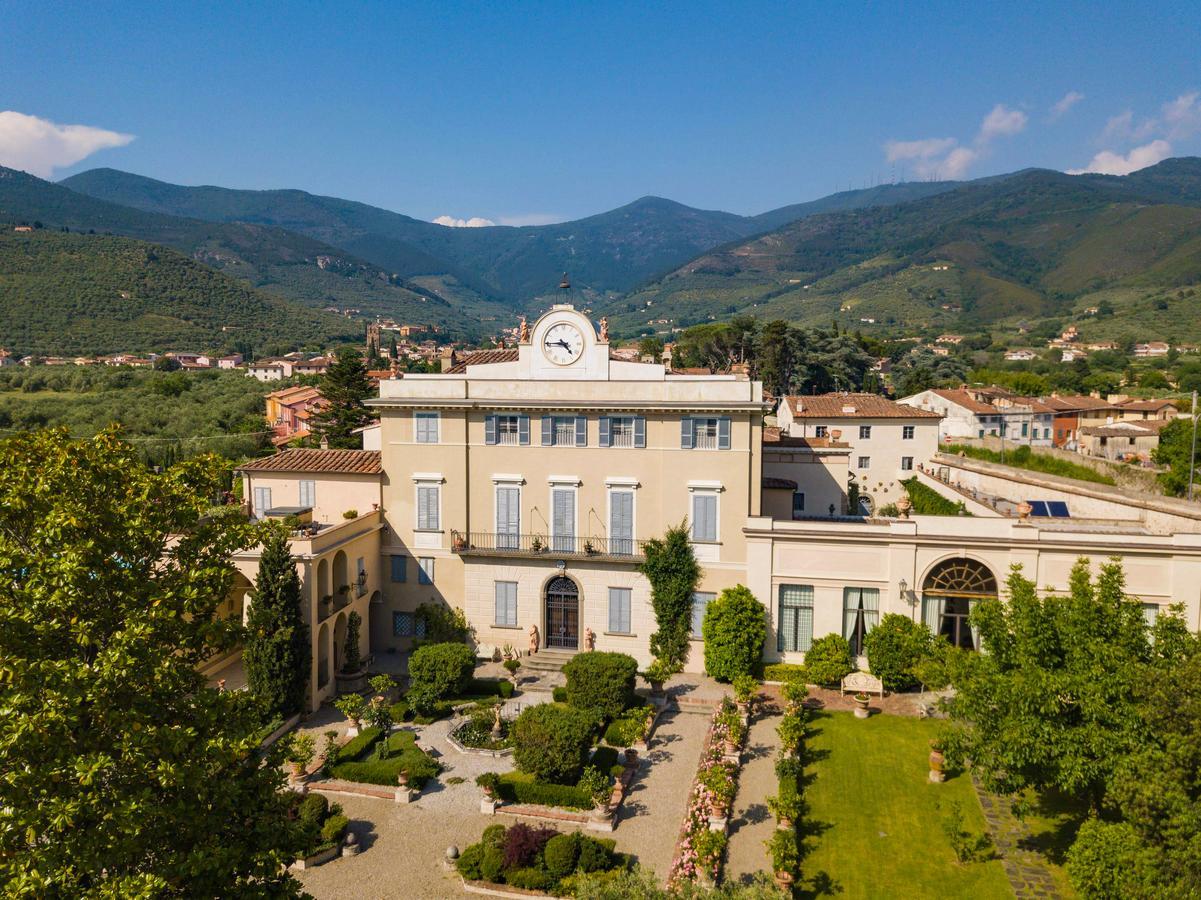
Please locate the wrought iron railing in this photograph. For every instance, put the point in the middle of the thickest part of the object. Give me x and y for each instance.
(493, 543)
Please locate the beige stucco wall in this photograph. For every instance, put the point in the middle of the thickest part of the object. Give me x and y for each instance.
(832, 556)
(334, 494)
(821, 475)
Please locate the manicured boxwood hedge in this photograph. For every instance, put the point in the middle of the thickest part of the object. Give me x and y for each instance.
(357, 760)
(439, 671)
(550, 742)
(784, 672)
(518, 787)
(734, 629)
(603, 682)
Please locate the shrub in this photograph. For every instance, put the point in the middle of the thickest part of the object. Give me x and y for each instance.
(596, 854)
(468, 862)
(515, 788)
(784, 852)
(929, 502)
(734, 630)
(561, 854)
(894, 647)
(785, 672)
(437, 671)
(333, 829)
(353, 748)
(596, 784)
(670, 566)
(559, 694)
(528, 878)
(313, 809)
(968, 847)
(795, 691)
(789, 768)
(603, 682)
(523, 843)
(828, 659)
(550, 742)
(492, 864)
(628, 728)
(494, 835)
(352, 662)
(745, 688)
(443, 625)
(792, 732)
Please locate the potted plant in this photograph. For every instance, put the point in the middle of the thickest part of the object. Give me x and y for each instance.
(657, 673)
(631, 756)
(350, 514)
(598, 787)
(329, 753)
(785, 857)
(511, 666)
(746, 688)
(786, 808)
(460, 543)
(490, 783)
(352, 706)
(861, 701)
(589, 548)
(299, 753)
(536, 544)
(326, 602)
(794, 693)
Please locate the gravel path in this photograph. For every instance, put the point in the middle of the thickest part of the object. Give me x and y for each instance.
(752, 822)
(654, 809)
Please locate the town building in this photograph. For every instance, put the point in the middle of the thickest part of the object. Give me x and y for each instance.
(886, 440)
(1151, 349)
(969, 412)
(289, 410)
(270, 369)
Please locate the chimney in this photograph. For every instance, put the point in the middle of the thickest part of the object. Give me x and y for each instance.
(448, 358)
(666, 356)
(324, 442)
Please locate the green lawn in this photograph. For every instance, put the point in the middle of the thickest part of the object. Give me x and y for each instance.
(874, 822)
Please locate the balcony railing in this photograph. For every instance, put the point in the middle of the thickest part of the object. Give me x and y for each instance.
(490, 543)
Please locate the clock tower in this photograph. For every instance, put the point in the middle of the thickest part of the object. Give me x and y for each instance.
(563, 345)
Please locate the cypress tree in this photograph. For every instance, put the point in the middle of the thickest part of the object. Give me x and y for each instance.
(671, 568)
(344, 386)
(277, 654)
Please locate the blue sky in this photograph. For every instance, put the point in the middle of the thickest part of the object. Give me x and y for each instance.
(524, 112)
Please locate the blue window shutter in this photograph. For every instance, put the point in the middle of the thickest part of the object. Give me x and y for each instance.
(490, 429)
(639, 431)
(400, 569)
(581, 431)
(604, 440)
(686, 440)
(523, 430)
(548, 430)
(723, 433)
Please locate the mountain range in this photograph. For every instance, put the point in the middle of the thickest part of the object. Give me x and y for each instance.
(605, 254)
(1029, 249)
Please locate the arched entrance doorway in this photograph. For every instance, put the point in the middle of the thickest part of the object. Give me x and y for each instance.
(562, 614)
(950, 592)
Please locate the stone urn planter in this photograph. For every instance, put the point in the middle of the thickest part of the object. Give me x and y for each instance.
(937, 762)
(352, 682)
(402, 778)
(784, 879)
(904, 504)
(631, 756)
(861, 702)
(1024, 509)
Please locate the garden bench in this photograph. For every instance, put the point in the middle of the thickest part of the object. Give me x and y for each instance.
(863, 683)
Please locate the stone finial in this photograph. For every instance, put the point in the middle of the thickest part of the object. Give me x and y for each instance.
(604, 324)
(524, 333)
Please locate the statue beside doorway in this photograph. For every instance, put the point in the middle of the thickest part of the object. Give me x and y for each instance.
(589, 639)
(533, 639)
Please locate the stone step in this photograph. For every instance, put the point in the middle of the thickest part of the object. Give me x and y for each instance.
(546, 661)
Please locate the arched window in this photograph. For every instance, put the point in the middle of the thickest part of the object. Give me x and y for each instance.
(951, 589)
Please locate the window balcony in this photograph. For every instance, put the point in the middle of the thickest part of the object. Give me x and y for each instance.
(705, 440)
(535, 546)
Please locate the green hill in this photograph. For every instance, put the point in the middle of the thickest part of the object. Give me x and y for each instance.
(989, 255)
(68, 293)
(607, 253)
(276, 260)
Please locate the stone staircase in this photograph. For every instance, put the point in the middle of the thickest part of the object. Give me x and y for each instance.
(546, 661)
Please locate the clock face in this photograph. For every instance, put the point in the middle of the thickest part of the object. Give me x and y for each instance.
(563, 344)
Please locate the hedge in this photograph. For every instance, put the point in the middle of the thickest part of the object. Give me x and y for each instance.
(438, 671)
(357, 760)
(603, 682)
(784, 672)
(517, 787)
(551, 742)
(828, 659)
(734, 630)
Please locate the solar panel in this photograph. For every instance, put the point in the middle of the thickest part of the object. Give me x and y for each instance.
(1038, 508)
(1058, 508)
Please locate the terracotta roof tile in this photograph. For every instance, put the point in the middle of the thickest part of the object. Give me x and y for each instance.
(782, 484)
(960, 397)
(854, 406)
(333, 462)
(482, 358)
(1135, 428)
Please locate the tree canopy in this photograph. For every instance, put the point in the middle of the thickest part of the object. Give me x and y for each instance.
(673, 572)
(121, 773)
(344, 386)
(277, 654)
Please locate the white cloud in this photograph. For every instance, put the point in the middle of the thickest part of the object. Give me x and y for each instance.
(39, 146)
(1001, 122)
(533, 219)
(1109, 163)
(1066, 102)
(924, 149)
(473, 222)
(1182, 116)
(946, 158)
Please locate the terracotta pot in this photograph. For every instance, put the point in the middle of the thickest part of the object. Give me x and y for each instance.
(784, 879)
(656, 688)
(631, 755)
(783, 824)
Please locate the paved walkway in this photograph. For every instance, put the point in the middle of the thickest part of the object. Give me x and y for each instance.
(654, 808)
(752, 822)
(1026, 870)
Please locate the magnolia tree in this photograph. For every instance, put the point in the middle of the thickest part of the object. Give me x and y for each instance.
(123, 773)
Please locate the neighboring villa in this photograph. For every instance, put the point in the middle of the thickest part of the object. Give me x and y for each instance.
(289, 411)
(520, 486)
(970, 412)
(885, 439)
